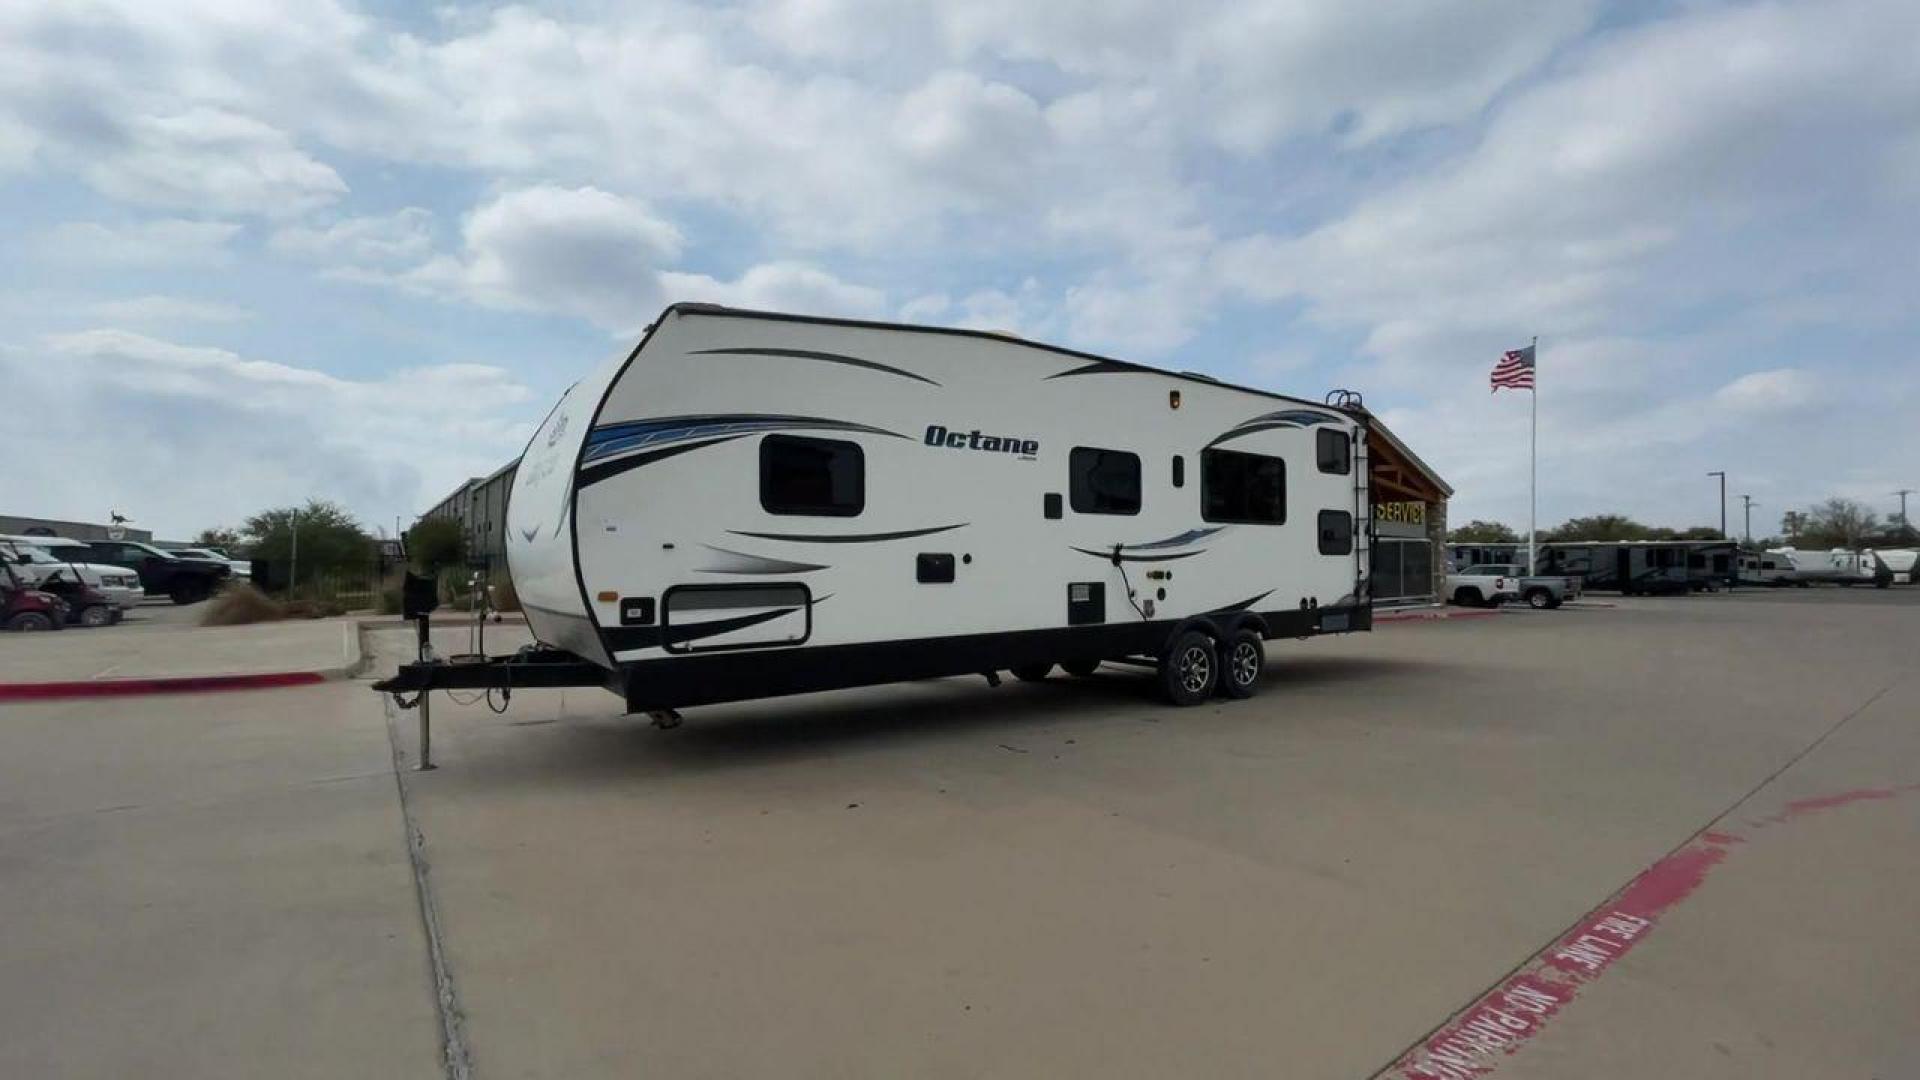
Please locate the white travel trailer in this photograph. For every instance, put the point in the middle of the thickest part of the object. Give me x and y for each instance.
(750, 504)
(1838, 566)
(1899, 564)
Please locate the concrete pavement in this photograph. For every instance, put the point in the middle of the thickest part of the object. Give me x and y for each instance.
(1068, 879)
(1054, 879)
(207, 887)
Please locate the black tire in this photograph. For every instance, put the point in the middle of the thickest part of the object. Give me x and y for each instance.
(31, 620)
(1190, 670)
(1080, 668)
(1541, 599)
(1243, 659)
(1467, 597)
(187, 592)
(1032, 672)
(95, 615)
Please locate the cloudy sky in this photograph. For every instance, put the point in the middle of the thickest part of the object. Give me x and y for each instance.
(354, 250)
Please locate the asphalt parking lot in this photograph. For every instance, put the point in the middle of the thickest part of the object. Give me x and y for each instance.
(1365, 871)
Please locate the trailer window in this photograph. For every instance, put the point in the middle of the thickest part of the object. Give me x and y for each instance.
(1244, 488)
(816, 477)
(1335, 451)
(1336, 532)
(1103, 481)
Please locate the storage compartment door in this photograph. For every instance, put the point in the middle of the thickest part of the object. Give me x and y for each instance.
(703, 618)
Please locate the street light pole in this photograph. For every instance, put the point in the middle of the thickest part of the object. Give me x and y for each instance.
(1723, 501)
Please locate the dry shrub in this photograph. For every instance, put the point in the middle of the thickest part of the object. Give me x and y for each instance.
(240, 603)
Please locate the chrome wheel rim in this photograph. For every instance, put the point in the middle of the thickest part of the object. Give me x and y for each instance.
(1196, 669)
(1245, 664)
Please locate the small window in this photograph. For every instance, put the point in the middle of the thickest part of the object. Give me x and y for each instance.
(1335, 451)
(1103, 481)
(1336, 532)
(1245, 488)
(819, 477)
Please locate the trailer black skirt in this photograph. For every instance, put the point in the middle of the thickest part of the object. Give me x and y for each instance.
(683, 681)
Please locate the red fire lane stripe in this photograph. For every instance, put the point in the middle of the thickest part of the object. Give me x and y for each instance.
(173, 684)
(1516, 1010)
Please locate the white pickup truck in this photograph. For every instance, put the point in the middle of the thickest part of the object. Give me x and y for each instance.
(1540, 591)
(1483, 585)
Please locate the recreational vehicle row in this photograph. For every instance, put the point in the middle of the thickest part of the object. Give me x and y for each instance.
(750, 504)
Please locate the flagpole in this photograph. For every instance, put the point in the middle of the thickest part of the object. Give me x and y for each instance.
(1533, 462)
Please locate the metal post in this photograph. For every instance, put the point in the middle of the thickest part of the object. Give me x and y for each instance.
(426, 702)
(1533, 461)
(1746, 509)
(1723, 502)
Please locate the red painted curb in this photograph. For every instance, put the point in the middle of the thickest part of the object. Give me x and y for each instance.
(183, 684)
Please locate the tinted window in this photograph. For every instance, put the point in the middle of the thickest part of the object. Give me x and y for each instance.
(1335, 451)
(1249, 488)
(822, 477)
(1103, 481)
(1336, 532)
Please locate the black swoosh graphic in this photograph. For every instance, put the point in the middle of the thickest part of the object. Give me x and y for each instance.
(808, 354)
(620, 639)
(1102, 367)
(1242, 605)
(1124, 557)
(849, 538)
(595, 473)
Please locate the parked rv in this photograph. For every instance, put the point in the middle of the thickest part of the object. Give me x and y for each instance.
(1836, 566)
(750, 504)
(1902, 564)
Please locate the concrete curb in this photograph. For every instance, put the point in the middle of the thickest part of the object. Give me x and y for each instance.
(1432, 615)
(352, 659)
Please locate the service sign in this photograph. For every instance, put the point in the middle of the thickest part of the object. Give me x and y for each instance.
(1401, 513)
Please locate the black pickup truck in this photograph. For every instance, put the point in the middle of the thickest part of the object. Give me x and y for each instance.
(185, 581)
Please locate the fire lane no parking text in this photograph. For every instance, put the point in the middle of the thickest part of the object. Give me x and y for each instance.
(1500, 1022)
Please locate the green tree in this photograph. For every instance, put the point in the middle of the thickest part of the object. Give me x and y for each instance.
(223, 538)
(1838, 522)
(1700, 532)
(1483, 532)
(328, 537)
(436, 543)
(1598, 527)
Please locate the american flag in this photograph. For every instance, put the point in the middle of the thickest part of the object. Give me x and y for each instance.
(1514, 371)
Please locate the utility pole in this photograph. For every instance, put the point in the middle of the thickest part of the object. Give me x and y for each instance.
(1905, 525)
(1723, 501)
(1747, 510)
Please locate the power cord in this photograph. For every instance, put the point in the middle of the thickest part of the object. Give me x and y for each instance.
(1126, 582)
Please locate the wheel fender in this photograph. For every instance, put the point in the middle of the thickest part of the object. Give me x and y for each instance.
(1203, 623)
(1254, 623)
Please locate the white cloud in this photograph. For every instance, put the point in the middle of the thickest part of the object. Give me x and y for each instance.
(778, 286)
(190, 436)
(400, 237)
(207, 158)
(605, 258)
(165, 309)
(162, 242)
(1763, 393)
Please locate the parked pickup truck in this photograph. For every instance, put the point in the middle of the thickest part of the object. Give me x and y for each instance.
(1537, 590)
(1484, 585)
(185, 581)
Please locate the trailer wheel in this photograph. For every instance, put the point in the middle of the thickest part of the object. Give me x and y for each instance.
(1190, 670)
(1032, 672)
(1242, 661)
(1080, 668)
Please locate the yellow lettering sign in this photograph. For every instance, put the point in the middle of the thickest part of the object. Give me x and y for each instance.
(1403, 513)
